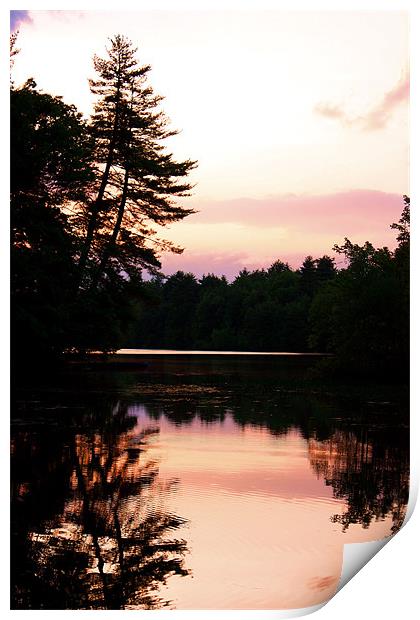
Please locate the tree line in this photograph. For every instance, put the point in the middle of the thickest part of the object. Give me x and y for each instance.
(86, 198)
(360, 312)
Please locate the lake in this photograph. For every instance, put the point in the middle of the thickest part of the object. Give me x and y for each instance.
(198, 481)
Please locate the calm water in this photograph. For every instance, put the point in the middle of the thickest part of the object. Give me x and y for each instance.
(198, 482)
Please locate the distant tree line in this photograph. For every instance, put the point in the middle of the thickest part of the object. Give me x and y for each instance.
(261, 310)
(360, 312)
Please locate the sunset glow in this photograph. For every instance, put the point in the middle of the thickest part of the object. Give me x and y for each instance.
(256, 479)
(285, 113)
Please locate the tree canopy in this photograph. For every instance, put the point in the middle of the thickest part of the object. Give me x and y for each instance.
(84, 197)
(137, 179)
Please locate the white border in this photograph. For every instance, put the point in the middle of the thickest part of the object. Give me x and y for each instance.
(387, 586)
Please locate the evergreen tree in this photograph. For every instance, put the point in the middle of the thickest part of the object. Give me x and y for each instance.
(308, 275)
(325, 269)
(137, 179)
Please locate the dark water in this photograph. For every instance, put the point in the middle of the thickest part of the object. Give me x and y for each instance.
(198, 483)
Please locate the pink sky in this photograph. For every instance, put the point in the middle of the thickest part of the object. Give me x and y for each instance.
(298, 119)
(287, 227)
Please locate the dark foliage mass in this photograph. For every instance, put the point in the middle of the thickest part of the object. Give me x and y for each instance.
(86, 198)
(263, 310)
(359, 313)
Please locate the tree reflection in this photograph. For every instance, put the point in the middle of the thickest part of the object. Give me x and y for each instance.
(369, 469)
(90, 526)
(361, 452)
(109, 545)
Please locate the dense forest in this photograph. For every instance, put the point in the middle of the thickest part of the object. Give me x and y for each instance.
(86, 196)
(359, 312)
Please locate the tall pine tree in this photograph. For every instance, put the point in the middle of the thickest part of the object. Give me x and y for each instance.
(137, 179)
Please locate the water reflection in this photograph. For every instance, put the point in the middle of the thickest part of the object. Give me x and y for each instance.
(260, 486)
(369, 470)
(91, 530)
(363, 455)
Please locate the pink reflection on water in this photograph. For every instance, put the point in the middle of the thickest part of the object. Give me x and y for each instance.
(259, 528)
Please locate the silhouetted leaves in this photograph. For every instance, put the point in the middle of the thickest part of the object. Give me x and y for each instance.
(84, 198)
(359, 313)
(362, 315)
(137, 180)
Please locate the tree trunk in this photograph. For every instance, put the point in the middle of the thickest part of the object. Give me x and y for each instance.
(99, 198)
(109, 248)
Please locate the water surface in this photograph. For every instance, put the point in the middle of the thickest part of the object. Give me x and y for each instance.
(198, 482)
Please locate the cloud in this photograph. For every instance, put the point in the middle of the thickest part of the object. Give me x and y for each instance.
(329, 110)
(353, 211)
(310, 224)
(66, 15)
(378, 116)
(17, 18)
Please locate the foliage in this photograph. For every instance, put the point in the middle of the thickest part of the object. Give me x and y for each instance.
(359, 313)
(362, 315)
(50, 167)
(262, 310)
(137, 180)
(83, 194)
(14, 50)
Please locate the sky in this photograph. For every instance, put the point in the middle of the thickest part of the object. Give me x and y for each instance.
(299, 120)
